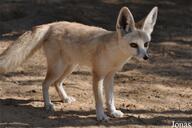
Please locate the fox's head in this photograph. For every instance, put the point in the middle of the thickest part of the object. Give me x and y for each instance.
(136, 37)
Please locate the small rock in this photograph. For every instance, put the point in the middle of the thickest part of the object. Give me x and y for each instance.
(33, 91)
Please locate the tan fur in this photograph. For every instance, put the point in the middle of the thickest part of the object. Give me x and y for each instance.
(22, 48)
(69, 44)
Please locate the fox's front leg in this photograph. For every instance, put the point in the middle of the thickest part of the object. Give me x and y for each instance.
(108, 86)
(98, 94)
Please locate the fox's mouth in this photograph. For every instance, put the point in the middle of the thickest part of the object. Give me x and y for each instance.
(142, 54)
(146, 57)
(141, 57)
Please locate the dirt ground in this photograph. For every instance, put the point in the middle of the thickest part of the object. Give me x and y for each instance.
(151, 94)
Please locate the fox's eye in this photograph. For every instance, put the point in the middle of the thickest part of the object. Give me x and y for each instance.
(146, 44)
(133, 45)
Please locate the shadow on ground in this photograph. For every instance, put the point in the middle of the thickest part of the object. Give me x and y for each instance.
(80, 117)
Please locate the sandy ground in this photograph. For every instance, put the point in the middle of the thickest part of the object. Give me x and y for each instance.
(151, 94)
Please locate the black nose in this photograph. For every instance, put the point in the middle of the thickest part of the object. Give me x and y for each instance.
(146, 57)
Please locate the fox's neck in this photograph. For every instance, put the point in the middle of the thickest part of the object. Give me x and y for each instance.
(118, 47)
(121, 45)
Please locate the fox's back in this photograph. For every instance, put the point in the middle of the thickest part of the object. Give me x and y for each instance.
(76, 32)
(76, 42)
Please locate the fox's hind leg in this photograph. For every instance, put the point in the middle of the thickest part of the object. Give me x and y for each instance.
(59, 85)
(54, 72)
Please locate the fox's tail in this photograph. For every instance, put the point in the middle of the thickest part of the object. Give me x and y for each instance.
(22, 48)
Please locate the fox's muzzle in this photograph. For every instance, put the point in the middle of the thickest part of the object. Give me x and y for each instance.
(142, 53)
(146, 57)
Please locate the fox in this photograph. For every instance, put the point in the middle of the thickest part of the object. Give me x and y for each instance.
(69, 44)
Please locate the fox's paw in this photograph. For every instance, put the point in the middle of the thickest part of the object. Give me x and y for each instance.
(49, 107)
(116, 113)
(69, 99)
(102, 117)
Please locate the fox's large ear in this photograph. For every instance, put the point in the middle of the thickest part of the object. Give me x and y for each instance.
(125, 21)
(150, 21)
